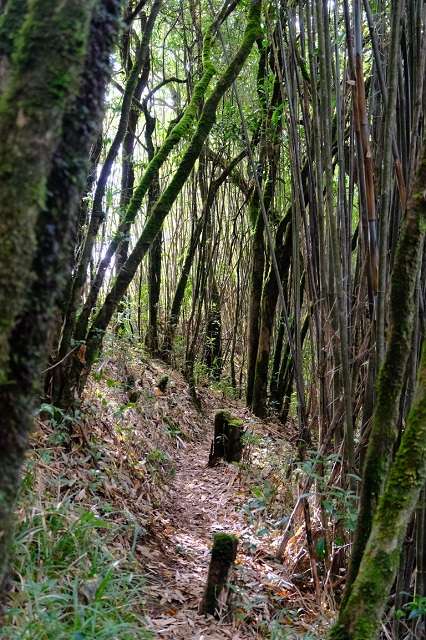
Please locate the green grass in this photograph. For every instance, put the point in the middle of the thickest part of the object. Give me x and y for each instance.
(72, 579)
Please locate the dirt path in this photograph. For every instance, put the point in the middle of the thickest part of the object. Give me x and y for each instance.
(202, 501)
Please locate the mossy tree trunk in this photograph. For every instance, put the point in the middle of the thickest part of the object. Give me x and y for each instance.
(58, 178)
(43, 77)
(392, 375)
(11, 22)
(164, 204)
(361, 614)
(378, 541)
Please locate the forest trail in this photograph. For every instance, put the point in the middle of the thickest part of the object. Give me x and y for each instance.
(140, 466)
(202, 501)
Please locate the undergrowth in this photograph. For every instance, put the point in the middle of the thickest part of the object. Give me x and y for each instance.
(68, 581)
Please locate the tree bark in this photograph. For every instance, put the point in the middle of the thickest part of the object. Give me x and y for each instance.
(27, 343)
(392, 375)
(32, 109)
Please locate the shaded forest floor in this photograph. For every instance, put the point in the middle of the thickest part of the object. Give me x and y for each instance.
(118, 518)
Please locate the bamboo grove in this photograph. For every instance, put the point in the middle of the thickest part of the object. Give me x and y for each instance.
(250, 208)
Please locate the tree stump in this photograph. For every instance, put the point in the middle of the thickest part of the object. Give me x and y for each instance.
(163, 383)
(227, 442)
(224, 552)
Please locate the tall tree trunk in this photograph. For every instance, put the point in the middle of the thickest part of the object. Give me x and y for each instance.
(383, 436)
(256, 286)
(283, 245)
(59, 174)
(154, 271)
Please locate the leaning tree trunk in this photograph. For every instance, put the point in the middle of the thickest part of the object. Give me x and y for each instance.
(177, 134)
(50, 184)
(392, 375)
(78, 375)
(378, 542)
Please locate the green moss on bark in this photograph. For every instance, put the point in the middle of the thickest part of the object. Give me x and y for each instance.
(391, 376)
(54, 230)
(46, 63)
(10, 23)
(166, 200)
(379, 540)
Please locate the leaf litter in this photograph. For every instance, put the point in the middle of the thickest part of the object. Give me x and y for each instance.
(143, 464)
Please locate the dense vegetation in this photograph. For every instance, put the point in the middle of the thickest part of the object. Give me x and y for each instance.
(237, 190)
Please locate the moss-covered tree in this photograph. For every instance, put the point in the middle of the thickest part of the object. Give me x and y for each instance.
(390, 489)
(152, 227)
(50, 116)
(392, 375)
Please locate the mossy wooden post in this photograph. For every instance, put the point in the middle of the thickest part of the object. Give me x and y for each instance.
(224, 552)
(227, 440)
(163, 383)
